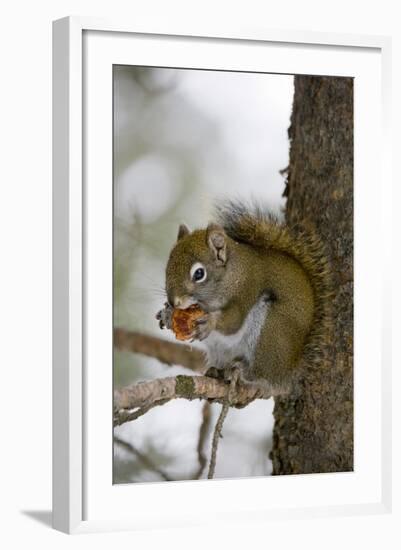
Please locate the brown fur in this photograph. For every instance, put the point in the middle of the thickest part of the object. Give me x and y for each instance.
(261, 259)
(262, 230)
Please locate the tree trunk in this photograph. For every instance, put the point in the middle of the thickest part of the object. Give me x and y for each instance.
(313, 429)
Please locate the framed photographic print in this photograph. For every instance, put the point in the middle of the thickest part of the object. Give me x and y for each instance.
(220, 335)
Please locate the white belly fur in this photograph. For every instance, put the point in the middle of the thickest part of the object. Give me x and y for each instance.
(221, 349)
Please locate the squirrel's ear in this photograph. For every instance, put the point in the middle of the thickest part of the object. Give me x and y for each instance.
(182, 231)
(217, 242)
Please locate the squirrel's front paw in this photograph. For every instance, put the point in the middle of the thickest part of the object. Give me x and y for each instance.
(203, 326)
(164, 316)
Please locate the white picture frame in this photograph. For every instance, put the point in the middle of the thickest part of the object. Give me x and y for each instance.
(83, 49)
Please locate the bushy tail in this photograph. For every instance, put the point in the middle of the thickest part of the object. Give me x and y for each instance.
(253, 225)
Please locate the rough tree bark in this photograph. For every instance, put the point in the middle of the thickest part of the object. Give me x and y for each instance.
(314, 426)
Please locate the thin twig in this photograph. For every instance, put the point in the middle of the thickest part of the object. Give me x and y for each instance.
(216, 438)
(219, 424)
(203, 431)
(126, 416)
(169, 353)
(142, 457)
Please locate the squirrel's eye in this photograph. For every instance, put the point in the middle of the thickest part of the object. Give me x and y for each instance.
(198, 273)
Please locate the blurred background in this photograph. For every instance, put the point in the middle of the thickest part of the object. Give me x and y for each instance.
(182, 139)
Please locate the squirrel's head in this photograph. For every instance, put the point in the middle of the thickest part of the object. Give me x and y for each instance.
(197, 268)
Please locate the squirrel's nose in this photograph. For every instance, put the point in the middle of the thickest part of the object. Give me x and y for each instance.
(183, 302)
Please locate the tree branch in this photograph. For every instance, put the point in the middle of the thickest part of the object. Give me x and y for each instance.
(133, 401)
(142, 457)
(167, 352)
